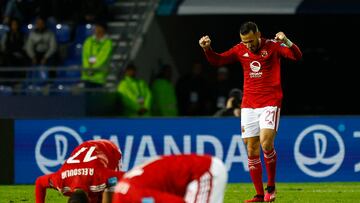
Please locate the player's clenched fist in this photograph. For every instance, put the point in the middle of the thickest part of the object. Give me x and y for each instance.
(205, 42)
(280, 36)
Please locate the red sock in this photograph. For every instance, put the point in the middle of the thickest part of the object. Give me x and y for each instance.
(270, 163)
(255, 170)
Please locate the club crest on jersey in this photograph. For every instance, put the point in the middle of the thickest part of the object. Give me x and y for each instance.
(263, 53)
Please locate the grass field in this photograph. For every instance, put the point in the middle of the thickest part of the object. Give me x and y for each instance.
(235, 193)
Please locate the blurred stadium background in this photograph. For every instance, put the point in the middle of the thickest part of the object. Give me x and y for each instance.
(46, 111)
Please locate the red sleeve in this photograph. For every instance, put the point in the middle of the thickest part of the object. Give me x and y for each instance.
(41, 184)
(110, 178)
(224, 58)
(292, 52)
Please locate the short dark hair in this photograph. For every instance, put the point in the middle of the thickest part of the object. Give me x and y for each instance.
(130, 66)
(102, 24)
(248, 27)
(79, 196)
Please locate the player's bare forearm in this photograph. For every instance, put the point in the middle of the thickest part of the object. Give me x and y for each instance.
(295, 52)
(107, 196)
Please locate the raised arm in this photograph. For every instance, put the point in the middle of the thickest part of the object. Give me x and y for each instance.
(290, 50)
(214, 58)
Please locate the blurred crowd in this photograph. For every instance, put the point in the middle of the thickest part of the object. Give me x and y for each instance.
(200, 92)
(37, 36)
(79, 11)
(37, 39)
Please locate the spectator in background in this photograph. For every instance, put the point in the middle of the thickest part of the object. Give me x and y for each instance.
(164, 96)
(135, 94)
(41, 44)
(96, 55)
(193, 93)
(12, 48)
(41, 47)
(233, 103)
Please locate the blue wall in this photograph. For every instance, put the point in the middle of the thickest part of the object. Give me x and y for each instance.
(309, 148)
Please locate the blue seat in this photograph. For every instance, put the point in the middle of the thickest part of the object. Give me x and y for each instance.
(82, 32)
(6, 90)
(59, 88)
(38, 77)
(33, 89)
(69, 74)
(73, 60)
(3, 29)
(26, 28)
(63, 33)
(74, 55)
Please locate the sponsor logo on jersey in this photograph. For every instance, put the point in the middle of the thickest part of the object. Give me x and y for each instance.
(255, 67)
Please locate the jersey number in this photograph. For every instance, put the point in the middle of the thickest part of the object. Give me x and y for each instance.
(88, 157)
(270, 116)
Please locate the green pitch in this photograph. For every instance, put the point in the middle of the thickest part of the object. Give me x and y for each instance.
(235, 193)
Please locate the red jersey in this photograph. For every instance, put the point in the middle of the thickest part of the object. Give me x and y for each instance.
(169, 174)
(89, 168)
(262, 83)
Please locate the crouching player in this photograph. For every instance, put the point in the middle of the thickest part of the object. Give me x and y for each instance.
(90, 169)
(174, 178)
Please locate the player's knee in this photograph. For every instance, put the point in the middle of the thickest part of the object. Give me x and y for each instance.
(253, 151)
(253, 148)
(267, 146)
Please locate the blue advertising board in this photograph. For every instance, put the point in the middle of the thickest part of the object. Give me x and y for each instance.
(309, 148)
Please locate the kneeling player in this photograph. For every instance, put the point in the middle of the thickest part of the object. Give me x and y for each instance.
(174, 178)
(89, 170)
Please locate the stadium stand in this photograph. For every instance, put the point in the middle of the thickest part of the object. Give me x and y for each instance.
(126, 20)
(126, 25)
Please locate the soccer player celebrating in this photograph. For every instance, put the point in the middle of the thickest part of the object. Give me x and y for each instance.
(260, 107)
(176, 179)
(90, 170)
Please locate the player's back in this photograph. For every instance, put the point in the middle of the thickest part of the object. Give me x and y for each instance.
(170, 173)
(95, 153)
(87, 161)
